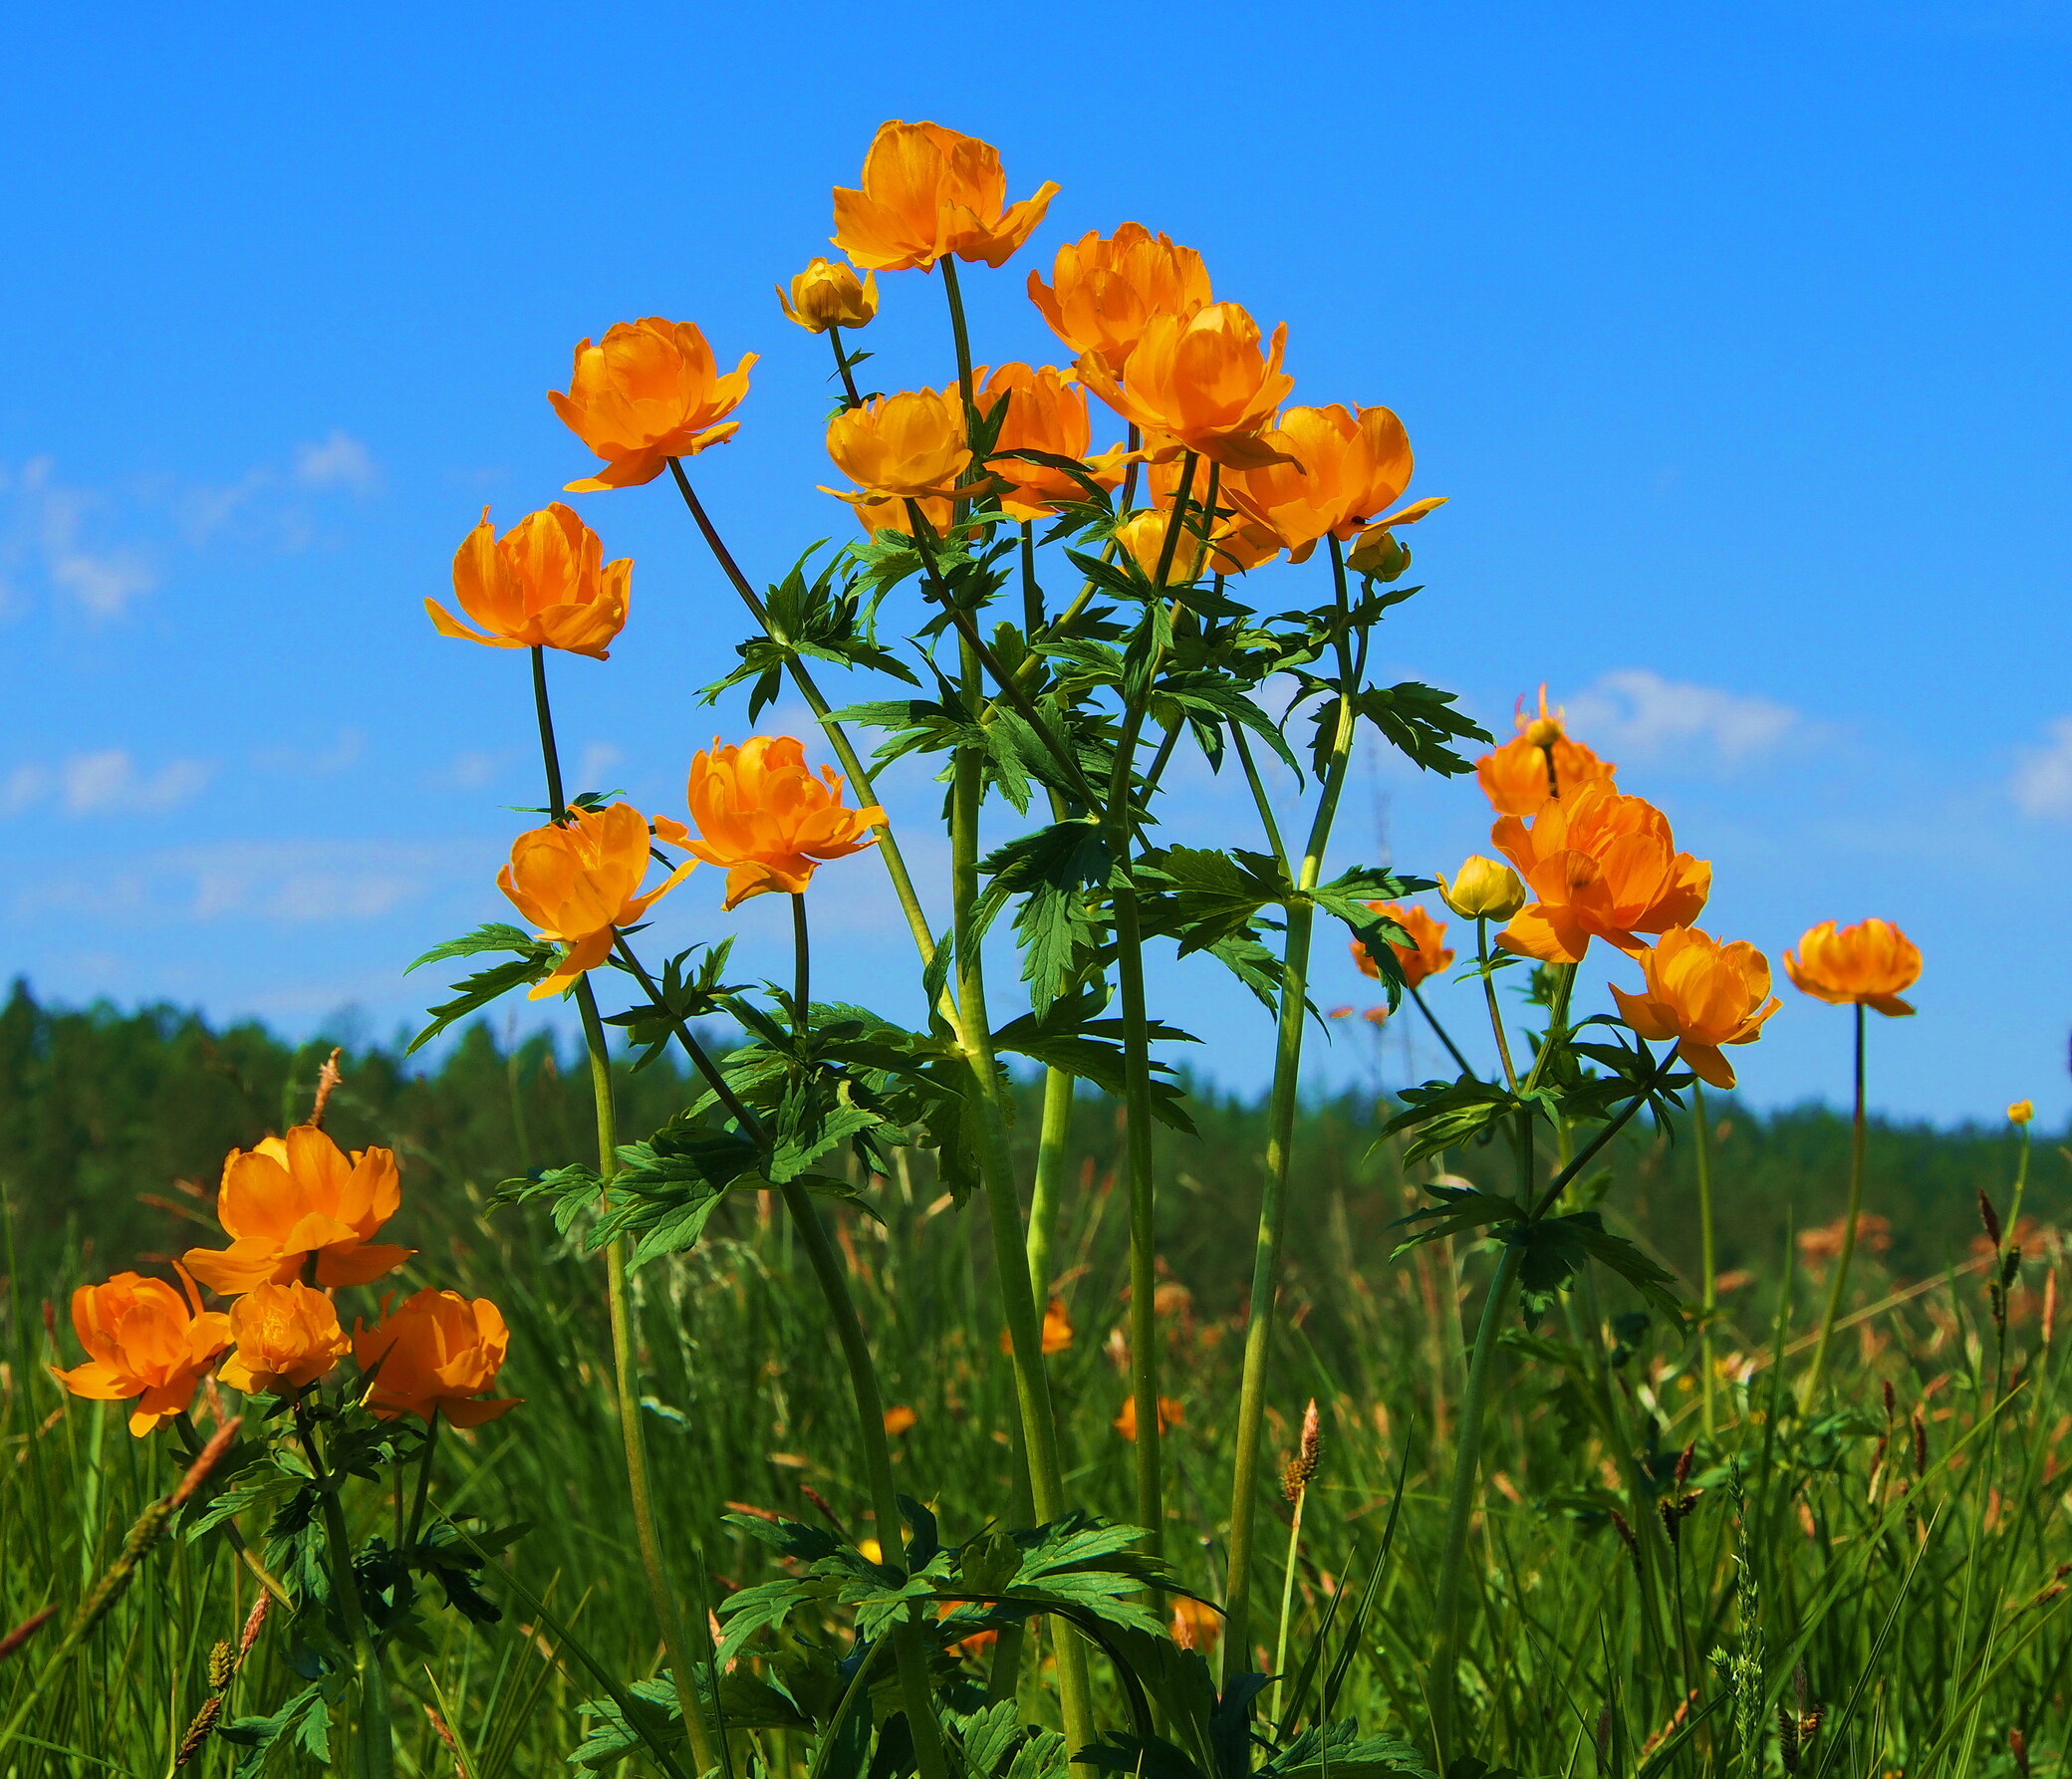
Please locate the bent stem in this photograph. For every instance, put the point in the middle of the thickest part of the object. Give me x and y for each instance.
(1809, 1390)
(1280, 1142)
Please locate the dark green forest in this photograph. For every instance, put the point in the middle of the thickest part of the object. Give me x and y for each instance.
(114, 1126)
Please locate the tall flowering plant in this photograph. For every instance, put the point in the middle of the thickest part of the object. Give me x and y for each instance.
(1072, 622)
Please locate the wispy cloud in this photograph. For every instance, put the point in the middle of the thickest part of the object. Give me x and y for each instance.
(340, 754)
(292, 882)
(2042, 781)
(106, 782)
(339, 462)
(100, 550)
(1637, 713)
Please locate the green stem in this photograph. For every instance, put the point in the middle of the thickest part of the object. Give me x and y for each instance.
(1504, 1043)
(1281, 1641)
(842, 366)
(862, 1377)
(1144, 1218)
(958, 332)
(1708, 1259)
(1260, 801)
(1051, 1155)
(1280, 1143)
(1453, 1050)
(837, 738)
(1003, 1217)
(431, 1437)
(1460, 1504)
(374, 1738)
(549, 753)
(802, 969)
(1809, 1390)
(626, 1391)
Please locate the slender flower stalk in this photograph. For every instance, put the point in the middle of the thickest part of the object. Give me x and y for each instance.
(1280, 1142)
(1809, 1388)
(617, 1304)
(1708, 1259)
(373, 1739)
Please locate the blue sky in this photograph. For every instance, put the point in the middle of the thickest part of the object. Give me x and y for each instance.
(1735, 334)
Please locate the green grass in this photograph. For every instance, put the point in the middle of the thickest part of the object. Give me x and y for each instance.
(1916, 1602)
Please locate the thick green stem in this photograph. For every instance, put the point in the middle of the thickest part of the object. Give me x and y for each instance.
(557, 804)
(837, 738)
(1051, 1155)
(1460, 1504)
(1280, 1142)
(1809, 1390)
(625, 1390)
(959, 333)
(1003, 1214)
(1709, 1258)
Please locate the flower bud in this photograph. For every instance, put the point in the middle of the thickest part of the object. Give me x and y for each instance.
(828, 294)
(1378, 553)
(2021, 1112)
(1483, 890)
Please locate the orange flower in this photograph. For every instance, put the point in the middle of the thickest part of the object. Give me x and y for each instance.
(1236, 541)
(1599, 865)
(287, 1337)
(544, 584)
(909, 446)
(293, 1199)
(1340, 470)
(1200, 383)
(828, 294)
(579, 884)
(1057, 1331)
(647, 392)
(926, 193)
(898, 1418)
(1868, 963)
(1170, 1415)
(1539, 764)
(144, 1341)
(1045, 413)
(892, 515)
(435, 1354)
(1426, 956)
(1103, 293)
(1704, 994)
(1196, 1625)
(763, 816)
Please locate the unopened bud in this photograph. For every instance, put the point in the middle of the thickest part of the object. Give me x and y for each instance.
(2021, 1112)
(1483, 890)
(1378, 554)
(829, 294)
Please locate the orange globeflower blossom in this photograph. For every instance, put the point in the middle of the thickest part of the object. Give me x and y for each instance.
(909, 446)
(1196, 1625)
(544, 584)
(1599, 865)
(828, 294)
(1427, 953)
(1103, 293)
(299, 1206)
(1340, 470)
(1703, 993)
(765, 818)
(1200, 383)
(287, 1337)
(646, 392)
(1170, 1415)
(1045, 413)
(892, 515)
(579, 884)
(898, 1419)
(1868, 963)
(927, 192)
(435, 1354)
(142, 1340)
(1057, 1331)
(1236, 541)
(1538, 763)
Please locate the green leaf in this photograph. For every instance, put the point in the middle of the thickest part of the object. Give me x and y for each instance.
(495, 935)
(573, 1190)
(1066, 1035)
(1053, 871)
(1206, 897)
(1419, 721)
(535, 962)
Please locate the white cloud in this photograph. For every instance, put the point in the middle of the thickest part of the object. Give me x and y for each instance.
(108, 780)
(598, 759)
(22, 787)
(342, 753)
(1639, 713)
(2043, 775)
(339, 462)
(468, 771)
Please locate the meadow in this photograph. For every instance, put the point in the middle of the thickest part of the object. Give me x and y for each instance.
(774, 1387)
